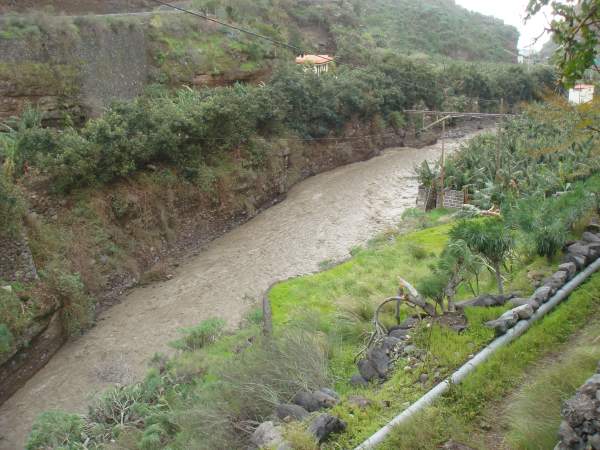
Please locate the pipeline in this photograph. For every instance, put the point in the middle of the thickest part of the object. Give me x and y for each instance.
(480, 358)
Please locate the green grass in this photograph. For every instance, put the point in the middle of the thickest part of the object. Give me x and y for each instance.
(460, 413)
(333, 303)
(533, 414)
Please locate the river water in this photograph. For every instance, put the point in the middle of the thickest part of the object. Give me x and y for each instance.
(321, 219)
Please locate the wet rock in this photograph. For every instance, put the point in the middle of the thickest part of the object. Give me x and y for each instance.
(391, 344)
(359, 401)
(542, 294)
(557, 280)
(524, 312)
(288, 412)
(511, 317)
(330, 392)
(569, 268)
(379, 360)
(324, 425)
(567, 435)
(516, 302)
(325, 400)
(358, 381)
(594, 251)
(367, 370)
(580, 249)
(410, 350)
(267, 435)
(400, 333)
(486, 301)
(578, 260)
(590, 237)
(307, 400)
(500, 326)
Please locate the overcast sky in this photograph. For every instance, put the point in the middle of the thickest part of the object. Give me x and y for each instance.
(511, 12)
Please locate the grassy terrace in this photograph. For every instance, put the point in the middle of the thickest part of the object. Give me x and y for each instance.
(338, 303)
(460, 414)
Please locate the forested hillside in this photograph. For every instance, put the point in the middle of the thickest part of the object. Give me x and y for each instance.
(358, 27)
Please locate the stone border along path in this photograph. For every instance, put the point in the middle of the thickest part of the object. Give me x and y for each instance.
(580, 428)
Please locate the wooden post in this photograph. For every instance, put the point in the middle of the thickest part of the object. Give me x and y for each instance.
(267, 316)
(443, 168)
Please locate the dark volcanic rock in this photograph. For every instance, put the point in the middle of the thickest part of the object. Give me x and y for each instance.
(324, 425)
(307, 400)
(367, 370)
(288, 411)
(358, 381)
(379, 360)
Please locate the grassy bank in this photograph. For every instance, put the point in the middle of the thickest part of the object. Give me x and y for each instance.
(460, 413)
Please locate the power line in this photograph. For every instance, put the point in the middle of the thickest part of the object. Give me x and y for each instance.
(225, 24)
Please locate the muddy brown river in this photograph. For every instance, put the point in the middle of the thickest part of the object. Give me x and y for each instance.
(321, 219)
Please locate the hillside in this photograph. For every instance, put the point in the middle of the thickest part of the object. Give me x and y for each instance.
(79, 64)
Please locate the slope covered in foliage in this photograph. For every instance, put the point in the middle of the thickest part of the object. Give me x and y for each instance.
(354, 29)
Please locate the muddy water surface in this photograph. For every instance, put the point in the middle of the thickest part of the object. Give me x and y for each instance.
(322, 218)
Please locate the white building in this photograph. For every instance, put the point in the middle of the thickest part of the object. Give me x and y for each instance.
(318, 63)
(581, 93)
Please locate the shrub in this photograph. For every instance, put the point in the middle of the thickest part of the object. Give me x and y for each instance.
(57, 430)
(6, 339)
(77, 306)
(11, 208)
(249, 387)
(206, 333)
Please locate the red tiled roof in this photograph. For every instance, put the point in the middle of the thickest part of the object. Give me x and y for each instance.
(314, 59)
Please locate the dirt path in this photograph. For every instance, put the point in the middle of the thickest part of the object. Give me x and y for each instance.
(322, 218)
(497, 415)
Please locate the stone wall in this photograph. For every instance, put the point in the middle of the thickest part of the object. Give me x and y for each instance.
(452, 199)
(427, 200)
(580, 428)
(16, 262)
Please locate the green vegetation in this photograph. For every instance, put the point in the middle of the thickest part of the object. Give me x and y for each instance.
(458, 414)
(574, 29)
(488, 238)
(533, 413)
(359, 28)
(191, 129)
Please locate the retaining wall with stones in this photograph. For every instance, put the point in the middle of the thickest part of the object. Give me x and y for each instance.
(580, 428)
(16, 262)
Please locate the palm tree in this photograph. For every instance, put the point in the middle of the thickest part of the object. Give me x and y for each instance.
(490, 239)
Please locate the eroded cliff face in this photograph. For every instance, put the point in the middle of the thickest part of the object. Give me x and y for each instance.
(77, 65)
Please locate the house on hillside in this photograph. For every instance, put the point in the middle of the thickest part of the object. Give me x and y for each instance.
(581, 93)
(318, 63)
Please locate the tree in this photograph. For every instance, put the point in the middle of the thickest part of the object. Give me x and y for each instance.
(488, 238)
(456, 265)
(576, 29)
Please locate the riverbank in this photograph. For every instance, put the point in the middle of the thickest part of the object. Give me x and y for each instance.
(321, 219)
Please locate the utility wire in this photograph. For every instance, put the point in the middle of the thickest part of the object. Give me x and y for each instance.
(225, 24)
(298, 50)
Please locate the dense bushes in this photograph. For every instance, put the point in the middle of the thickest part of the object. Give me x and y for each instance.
(217, 410)
(533, 171)
(188, 128)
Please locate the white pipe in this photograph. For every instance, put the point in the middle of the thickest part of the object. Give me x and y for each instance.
(478, 359)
